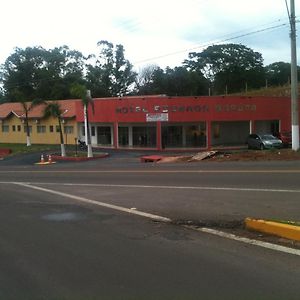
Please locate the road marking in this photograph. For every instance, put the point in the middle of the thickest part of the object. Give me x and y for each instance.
(168, 220)
(85, 200)
(152, 171)
(247, 240)
(170, 187)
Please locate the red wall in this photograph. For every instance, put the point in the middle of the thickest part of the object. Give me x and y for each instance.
(189, 109)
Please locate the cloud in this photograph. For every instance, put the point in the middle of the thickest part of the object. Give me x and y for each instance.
(157, 31)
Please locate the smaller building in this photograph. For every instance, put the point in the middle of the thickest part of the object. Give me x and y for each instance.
(42, 130)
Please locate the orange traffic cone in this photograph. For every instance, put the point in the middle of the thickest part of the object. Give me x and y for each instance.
(42, 159)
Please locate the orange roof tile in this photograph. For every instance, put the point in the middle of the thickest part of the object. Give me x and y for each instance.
(37, 112)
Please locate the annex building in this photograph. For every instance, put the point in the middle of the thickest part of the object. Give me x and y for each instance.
(153, 122)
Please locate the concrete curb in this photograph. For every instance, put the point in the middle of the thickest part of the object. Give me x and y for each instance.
(283, 230)
(66, 158)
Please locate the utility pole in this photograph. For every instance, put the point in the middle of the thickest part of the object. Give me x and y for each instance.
(87, 125)
(294, 81)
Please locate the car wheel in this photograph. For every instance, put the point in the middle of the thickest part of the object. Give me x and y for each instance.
(262, 147)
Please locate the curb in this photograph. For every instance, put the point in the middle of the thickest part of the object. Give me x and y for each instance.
(66, 158)
(283, 230)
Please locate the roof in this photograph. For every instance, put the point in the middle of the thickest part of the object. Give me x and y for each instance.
(37, 112)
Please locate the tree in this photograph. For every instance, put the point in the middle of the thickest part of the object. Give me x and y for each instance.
(27, 107)
(19, 73)
(86, 99)
(112, 74)
(228, 65)
(178, 81)
(144, 80)
(40, 73)
(183, 82)
(279, 73)
(54, 110)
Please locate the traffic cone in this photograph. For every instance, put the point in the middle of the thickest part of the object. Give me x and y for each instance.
(49, 159)
(42, 159)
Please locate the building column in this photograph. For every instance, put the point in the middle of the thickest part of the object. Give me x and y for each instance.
(158, 136)
(115, 135)
(252, 126)
(208, 134)
(183, 136)
(130, 139)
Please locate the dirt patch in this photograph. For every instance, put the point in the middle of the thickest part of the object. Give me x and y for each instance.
(238, 155)
(253, 155)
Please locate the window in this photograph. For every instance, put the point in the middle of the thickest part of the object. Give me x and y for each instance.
(57, 128)
(5, 128)
(51, 128)
(41, 128)
(13, 127)
(19, 128)
(68, 129)
(25, 129)
(93, 130)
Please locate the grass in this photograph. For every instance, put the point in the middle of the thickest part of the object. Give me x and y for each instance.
(23, 149)
(294, 223)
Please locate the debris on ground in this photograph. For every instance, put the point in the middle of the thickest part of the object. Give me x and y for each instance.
(190, 158)
(219, 156)
(202, 155)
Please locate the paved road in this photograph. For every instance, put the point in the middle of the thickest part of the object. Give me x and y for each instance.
(57, 244)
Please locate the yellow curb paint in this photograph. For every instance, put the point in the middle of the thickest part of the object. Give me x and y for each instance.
(283, 230)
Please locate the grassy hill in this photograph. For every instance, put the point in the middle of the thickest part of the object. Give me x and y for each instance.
(275, 91)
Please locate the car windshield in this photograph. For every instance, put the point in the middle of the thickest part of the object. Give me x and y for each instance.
(268, 137)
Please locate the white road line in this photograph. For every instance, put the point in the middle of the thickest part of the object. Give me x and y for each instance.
(85, 200)
(170, 187)
(247, 240)
(167, 220)
(150, 171)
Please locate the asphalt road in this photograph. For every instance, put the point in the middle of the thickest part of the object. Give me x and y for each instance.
(71, 230)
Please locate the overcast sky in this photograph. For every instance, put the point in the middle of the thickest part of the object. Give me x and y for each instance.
(160, 32)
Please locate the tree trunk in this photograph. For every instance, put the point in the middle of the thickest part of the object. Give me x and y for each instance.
(62, 145)
(28, 141)
(87, 132)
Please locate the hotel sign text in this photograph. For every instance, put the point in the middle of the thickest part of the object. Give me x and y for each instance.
(162, 109)
(186, 108)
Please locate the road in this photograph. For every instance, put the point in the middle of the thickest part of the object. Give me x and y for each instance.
(100, 230)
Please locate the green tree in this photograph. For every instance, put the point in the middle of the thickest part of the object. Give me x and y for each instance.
(19, 74)
(230, 66)
(144, 81)
(40, 73)
(174, 82)
(279, 73)
(27, 107)
(183, 82)
(80, 91)
(53, 109)
(112, 74)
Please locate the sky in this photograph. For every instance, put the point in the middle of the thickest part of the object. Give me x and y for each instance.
(159, 32)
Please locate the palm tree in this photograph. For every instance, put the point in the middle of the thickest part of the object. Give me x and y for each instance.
(53, 109)
(27, 107)
(79, 90)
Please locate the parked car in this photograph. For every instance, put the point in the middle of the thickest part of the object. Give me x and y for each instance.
(285, 137)
(263, 141)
